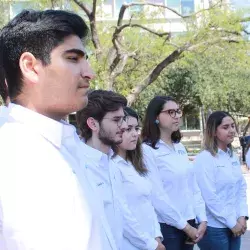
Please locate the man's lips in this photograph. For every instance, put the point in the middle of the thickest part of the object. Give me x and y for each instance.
(84, 86)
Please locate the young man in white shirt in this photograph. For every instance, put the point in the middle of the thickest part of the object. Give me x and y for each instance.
(45, 199)
(102, 124)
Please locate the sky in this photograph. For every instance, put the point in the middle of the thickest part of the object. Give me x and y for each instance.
(241, 3)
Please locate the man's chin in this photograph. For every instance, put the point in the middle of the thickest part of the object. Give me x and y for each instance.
(118, 142)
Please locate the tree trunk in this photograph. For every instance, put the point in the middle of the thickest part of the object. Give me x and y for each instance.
(135, 92)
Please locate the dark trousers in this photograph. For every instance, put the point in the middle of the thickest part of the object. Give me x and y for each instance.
(219, 239)
(174, 239)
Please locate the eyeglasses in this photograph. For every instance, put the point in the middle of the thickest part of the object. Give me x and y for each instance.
(118, 119)
(173, 112)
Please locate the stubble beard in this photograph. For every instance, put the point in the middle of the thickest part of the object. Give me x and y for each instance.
(106, 139)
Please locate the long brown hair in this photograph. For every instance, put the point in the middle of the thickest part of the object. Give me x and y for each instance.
(150, 131)
(213, 122)
(135, 156)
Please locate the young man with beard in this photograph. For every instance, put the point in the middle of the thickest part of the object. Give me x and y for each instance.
(46, 202)
(102, 124)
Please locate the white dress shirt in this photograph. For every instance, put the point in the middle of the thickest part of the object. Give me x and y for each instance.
(138, 192)
(42, 203)
(223, 188)
(177, 196)
(105, 174)
(3, 114)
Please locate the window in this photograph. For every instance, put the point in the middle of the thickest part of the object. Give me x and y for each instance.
(174, 4)
(187, 7)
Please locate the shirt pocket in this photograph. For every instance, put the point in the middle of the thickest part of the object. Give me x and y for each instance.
(104, 192)
(224, 180)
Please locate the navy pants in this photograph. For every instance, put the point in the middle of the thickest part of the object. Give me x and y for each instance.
(174, 239)
(219, 239)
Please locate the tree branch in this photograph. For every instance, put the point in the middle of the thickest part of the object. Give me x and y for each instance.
(127, 5)
(84, 7)
(176, 54)
(119, 29)
(245, 19)
(94, 8)
(92, 19)
(246, 32)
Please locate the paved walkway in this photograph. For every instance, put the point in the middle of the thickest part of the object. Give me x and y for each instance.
(245, 245)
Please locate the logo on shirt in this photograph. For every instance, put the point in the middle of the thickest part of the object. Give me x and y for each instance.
(235, 163)
(100, 184)
(220, 166)
(181, 152)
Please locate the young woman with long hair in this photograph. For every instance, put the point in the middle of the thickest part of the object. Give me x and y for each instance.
(222, 185)
(168, 159)
(136, 184)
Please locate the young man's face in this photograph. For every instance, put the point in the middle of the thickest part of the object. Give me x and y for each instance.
(112, 127)
(64, 83)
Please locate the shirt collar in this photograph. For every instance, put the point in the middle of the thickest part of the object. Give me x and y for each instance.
(222, 152)
(96, 154)
(4, 111)
(50, 129)
(117, 159)
(161, 142)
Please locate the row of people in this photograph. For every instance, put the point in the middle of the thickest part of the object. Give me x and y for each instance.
(104, 190)
(159, 176)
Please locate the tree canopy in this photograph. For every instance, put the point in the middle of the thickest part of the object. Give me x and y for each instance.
(207, 65)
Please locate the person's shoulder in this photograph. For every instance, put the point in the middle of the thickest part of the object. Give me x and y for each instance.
(147, 149)
(18, 132)
(19, 143)
(203, 156)
(180, 146)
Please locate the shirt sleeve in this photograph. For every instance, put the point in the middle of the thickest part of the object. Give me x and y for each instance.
(160, 199)
(204, 170)
(200, 208)
(199, 204)
(158, 233)
(132, 229)
(242, 199)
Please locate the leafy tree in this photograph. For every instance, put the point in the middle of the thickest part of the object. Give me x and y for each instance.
(5, 9)
(129, 48)
(129, 55)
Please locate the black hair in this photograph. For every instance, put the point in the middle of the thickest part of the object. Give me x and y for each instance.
(150, 130)
(37, 32)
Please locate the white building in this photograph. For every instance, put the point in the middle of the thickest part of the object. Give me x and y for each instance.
(108, 10)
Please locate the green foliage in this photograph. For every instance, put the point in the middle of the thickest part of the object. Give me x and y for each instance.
(213, 71)
(4, 7)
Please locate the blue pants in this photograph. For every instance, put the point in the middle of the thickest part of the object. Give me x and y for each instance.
(174, 239)
(219, 239)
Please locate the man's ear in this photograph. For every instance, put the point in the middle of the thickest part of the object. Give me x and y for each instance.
(30, 67)
(92, 124)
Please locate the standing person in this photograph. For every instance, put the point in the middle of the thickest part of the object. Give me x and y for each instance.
(222, 185)
(168, 159)
(102, 124)
(44, 202)
(136, 184)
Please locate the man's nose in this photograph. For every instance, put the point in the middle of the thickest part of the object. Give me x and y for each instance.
(124, 125)
(87, 71)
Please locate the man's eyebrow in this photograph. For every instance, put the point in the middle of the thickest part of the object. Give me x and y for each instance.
(119, 116)
(76, 51)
